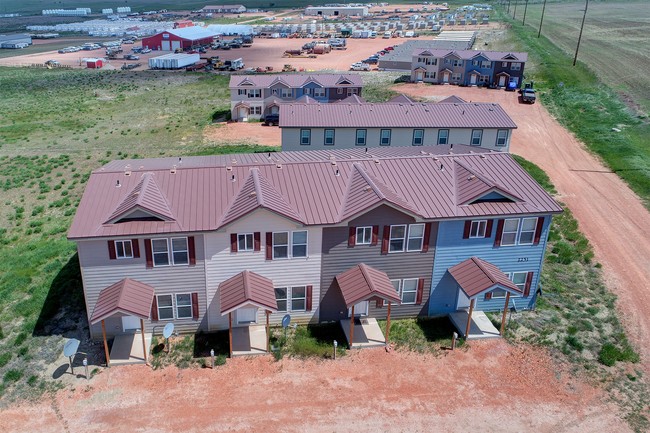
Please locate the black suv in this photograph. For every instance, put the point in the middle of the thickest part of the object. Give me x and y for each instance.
(272, 119)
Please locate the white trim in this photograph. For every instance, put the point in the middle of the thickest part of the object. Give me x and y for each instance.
(408, 237)
(356, 235)
(175, 302)
(273, 245)
(306, 244)
(521, 230)
(166, 307)
(479, 235)
(124, 241)
(516, 232)
(187, 250)
(153, 254)
(263, 307)
(415, 292)
(248, 248)
(390, 238)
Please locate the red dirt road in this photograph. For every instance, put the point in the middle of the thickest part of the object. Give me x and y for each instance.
(609, 213)
(491, 386)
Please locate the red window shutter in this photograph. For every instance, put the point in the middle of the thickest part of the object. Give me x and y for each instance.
(380, 303)
(497, 239)
(135, 246)
(233, 242)
(154, 309)
(468, 226)
(256, 241)
(191, 250)
(352, 234)
(308, 296)
(195, 306)
(148, 254)
(529, 281)
(111, 250)
(538, 230)
(384, 240)
(488, 296)
(427, 235)
(488, 228)
(269, 246)
(375, 235)
(420, 292)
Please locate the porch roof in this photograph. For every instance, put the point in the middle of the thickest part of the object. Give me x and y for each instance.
(362, 283)
(127, 296)
(476, 276)
(247, 288)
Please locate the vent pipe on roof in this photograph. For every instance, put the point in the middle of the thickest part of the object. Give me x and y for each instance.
(278, 165)
(117, 184)
(366, 150)
(482, 156)
(442, 167)
(376, 161)
(232, 178)
(337, 172)
(451, 146)
(180, 160)
(228, 168)
(127, 170)
(463, 112)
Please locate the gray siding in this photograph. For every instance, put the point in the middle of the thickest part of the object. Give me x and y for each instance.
(337, 257)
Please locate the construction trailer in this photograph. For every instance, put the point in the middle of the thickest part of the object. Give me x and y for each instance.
(173, 61)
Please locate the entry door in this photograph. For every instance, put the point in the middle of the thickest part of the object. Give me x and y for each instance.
(502, 80)
(360, 309)
(176, 44)
(130, 323)
(472, 79)
(243, 112)
(246, 315)
(463, 301)
(445, 77)
(166, 46)
(419, 76)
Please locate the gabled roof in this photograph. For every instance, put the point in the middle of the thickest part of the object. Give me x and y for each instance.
(352, 99)
(362, 283)
(146, 197)
(476, 276)
(127, 297)
(401, 99)
(192, 33)
(471, 185)
(247, 289)
(304, 99)
(453, 99)
(470, 54)
(297, 80)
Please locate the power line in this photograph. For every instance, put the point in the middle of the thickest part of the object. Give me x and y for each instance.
(575, 58)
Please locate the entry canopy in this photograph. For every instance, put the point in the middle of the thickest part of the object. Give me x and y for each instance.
(127, 297)
(363, 283)
(476, 276)
(247, 289)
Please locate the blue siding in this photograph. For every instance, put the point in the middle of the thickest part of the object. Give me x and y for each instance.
(452, 249)
(312, 85)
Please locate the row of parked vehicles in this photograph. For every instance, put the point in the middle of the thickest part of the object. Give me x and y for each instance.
(365, 65)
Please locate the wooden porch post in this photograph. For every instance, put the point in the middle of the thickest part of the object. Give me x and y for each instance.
(268, 335)
(230, 332)
(388, 323)
(505, 310)
(352, 327)
(108, 358)
(469, 318)
(144, 344)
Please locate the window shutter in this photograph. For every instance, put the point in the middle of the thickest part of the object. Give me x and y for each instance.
(497, 239)
(529, 281)
(488, 296)
(384, 240)
(427, 235)
(191, 250)
(195, 306)
(538, 230)
(111, 250)
(352, 234)
(154, 309)
(380, 303)
(233, 242)
(148, 254)
(488, 228)
(135, 245)
(269, 246)
(420, 292)
(468, 226)
(375, 235)
(308, 297)
(256, 241)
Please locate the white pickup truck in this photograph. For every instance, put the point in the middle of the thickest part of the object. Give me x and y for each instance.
(360, 66)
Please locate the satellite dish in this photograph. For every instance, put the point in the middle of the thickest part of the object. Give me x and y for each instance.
(286, 320)
(70, 347)
(168, 329)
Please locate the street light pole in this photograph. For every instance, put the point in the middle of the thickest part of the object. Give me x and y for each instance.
(541, 20)
(575, 58)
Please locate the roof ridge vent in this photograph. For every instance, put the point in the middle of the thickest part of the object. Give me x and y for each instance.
(228, 168)
(278, 166)
(173, 170)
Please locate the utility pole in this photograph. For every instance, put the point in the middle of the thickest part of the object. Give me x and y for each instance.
(508, 7)
(541, 20)
(514, 14)
(523, 22)
(575, 58)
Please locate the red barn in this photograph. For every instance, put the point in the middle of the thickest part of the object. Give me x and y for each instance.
(183, 38)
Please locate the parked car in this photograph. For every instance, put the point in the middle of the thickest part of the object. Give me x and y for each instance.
(360, 66)
(371, 60)
(131, 57)
(272, 119)
(528, 95)
(511, 86)
(145, 50)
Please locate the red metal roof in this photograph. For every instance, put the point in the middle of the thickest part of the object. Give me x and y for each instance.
(247, 288)
(401, 99)
(295, 80)
(471, 185)
(453, 99)
(128, 297)
(308, 186)
(476, 276)
(362, 283)
(470, 54)
(395, 115)
(145, 196)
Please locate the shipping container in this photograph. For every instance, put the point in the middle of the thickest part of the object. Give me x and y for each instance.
(173, 61)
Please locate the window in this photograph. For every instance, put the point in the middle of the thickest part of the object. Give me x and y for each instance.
(165, 307)
(281, 245)
(319, 92)
(456, 76)
(180, 251)
(397, 236)
(291, 298)
(502, 137)
(245, 242)
(486, 64)
(184, 306)
(409, 290)
(361, 137)
(398, 286)
(298, 298)
(457, 62)
(519, 278)
(329, 137)
(475, 62)
(477, 135)
(352, 91)
(484, 79)
(364, 236)
(281, 298)
(254, 93)
(416, 237)
(287, 93)
(498, 294)
(256, 110)
(160, 251)
(477, 229)
(308, 91)
(339, 91)
(384, 137)
(242, 92)
(123, 250)
(510, 228)
(418, 137)
(504, 64)
(299, 244)
(305, 137)
(431, 75)
(514, 66)
(527, 234)
(274, 91)
(443, 136)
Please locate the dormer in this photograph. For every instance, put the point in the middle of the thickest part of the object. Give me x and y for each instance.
(473, 187)
(145, 202)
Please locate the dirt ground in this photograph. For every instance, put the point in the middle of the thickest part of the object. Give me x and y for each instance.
(242, 132)
(490, 386)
